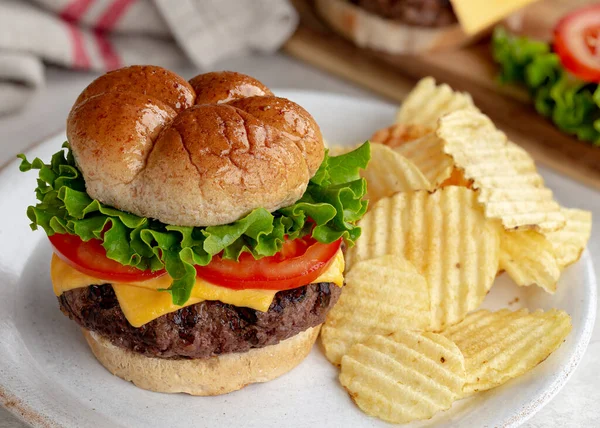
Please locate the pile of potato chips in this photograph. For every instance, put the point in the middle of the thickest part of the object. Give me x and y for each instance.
(453, 203)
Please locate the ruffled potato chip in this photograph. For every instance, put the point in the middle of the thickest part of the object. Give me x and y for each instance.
(381, 296)
(446, 236)
(389, 172)
(529, 258)
(405, 376)
(570, 241)
(499, 346)
(515, 197)
(399, 134)
(427, 102)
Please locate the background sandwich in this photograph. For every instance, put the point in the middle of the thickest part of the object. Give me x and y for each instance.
(394, 26)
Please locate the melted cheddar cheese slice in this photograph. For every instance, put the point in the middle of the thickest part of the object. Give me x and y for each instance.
(476, 15)
(141, 302)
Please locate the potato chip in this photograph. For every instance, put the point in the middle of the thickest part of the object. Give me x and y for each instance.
(570, 241)
(499, 346)
(428, 155)
(529, 258)
(446, 236)
(522, 161)
(519, 200)
(427, 102)
(457, 178)
(399, 134)
(405, 376)
(381, 296)
(389, 172)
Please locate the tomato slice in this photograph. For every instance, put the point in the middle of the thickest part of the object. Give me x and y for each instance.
(90, 258)
(299, 263)
(577, 42)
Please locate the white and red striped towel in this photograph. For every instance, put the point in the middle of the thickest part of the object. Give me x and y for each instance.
(107, 34)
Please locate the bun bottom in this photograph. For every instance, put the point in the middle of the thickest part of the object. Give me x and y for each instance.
(213, 376)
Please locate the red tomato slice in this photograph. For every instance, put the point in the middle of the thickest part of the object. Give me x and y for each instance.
(299, 263)
(90, 258)
(577, 42)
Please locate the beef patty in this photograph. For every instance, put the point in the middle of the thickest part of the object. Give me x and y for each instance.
(205, 329)
(422, 13)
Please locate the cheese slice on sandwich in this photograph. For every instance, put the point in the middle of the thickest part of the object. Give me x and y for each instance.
(141, 302)
(477, 15)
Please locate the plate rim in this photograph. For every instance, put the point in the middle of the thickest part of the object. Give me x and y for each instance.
(529, 410)
(11, 402)
(17, 406)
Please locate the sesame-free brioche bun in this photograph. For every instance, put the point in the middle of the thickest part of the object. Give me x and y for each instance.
(201, 153)
(212, 376)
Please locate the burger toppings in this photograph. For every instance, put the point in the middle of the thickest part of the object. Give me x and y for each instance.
(301, 261)
(90, 259)
(143, 247)
(141, 302)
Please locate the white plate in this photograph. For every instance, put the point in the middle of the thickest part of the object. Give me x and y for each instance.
(49, 376)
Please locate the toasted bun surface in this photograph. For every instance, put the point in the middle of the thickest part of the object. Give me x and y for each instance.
(214, 376)
(368, 30)
(201, 153)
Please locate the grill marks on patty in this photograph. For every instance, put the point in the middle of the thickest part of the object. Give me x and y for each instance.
(203, 330)
(422, 13)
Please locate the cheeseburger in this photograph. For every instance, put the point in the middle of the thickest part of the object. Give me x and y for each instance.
(197, 227)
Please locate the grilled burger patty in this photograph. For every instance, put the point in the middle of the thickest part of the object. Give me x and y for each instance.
(423, 13)
(203, 330)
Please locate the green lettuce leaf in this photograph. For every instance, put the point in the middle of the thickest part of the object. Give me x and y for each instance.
(572, 104)
(333, 201)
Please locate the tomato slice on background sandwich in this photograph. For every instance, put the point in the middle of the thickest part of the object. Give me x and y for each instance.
(577, 42)
(561, 77)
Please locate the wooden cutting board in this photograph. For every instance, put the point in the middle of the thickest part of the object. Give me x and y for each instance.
(470, 69)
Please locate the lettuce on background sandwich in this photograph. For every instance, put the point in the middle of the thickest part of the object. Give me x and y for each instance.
(197, 227)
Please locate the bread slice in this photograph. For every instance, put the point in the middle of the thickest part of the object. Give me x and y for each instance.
(212, 376)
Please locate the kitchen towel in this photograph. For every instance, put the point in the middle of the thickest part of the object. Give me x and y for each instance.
(103, 35)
